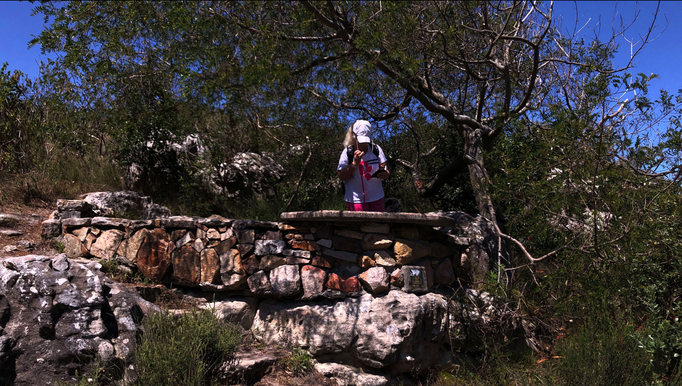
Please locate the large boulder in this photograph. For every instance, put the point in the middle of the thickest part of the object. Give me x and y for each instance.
(126, 204)
(61, 317)
(249, 174)
(396, 333)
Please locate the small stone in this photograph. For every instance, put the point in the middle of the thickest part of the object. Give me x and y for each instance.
(245, 249)
(51, 229)
(269, 247)
(376, 241)
(226, 245)
(327, 243)
(177, 235)
(259, 283)
(341, 243)
(231, 263)
(198, 245)
(406, 232)
(25, 245)
(397, 278)
(375, 280)
(10, 232)
(89, 240)
(292, 228)
(271, 262)
(153, 257)
(309, 237)
(304, 245)
(107, 244)
(251, 264)
(313, 279)
(272, 235)
(322, 262)
(76, 222)
(73, 248)
(213, 234)
(285, 280)
(186, 238)
(341, 255)
(383, 259)
(297, 260)
(297, 253)
(210, 266)
(186, 266)
(129, 247)
(407, 251)
(445, 274)
(9, 220)
(60, 263)
(349, 233)
(10, 248)
(226, 234)
(335, 282)
(246, 236)
(439, 251)
(372, 227)
(81, 233)
(367, 262)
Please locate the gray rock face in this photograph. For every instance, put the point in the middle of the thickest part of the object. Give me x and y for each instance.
(348, 376)
(57, 316)
(8, 220)
(269, 247)
(285, 280)
(239, 310)
(396, 332)
(116, 204)
(248, 175)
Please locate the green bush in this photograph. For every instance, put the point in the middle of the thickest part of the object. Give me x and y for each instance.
(184, 350)
(299, 363)
(606, 351)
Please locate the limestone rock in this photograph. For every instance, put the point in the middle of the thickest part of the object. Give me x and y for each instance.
(348, 285)
(73, 248)
(10, 232)
(272, 235)
(367, 262)
(348, 376)
(445, 274)
(8, 220)
(153, 257)
(246, 236)
(313, 279)
(372, 227)
(186, 266)
(349, 233)
(269, 247)
(232, 271)
(259, 283)
(107, 244)
(397, 332)
(376, 241)
(240, 310)
(322, 262)
(346, 244)
(210, 266)
(130, 246)
(304, 245)
(407, 251)
(341, 255)
(439, 251)
(271, 262)
(179, 222)
(406, 232)
(397, 279)
(297, 253)
(251, 264)
(251, 365)
(285, 281)
(51, 229)
(383, 259)
(130, 203)
(375, 280)
(184, 239)
(327, 243)
(81, 233)
(225, 245)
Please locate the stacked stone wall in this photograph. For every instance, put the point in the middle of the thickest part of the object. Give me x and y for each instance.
(326, 257)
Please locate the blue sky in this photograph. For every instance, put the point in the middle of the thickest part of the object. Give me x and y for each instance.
(663, 56)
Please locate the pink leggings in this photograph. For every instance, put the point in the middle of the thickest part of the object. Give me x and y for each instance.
(374, 206)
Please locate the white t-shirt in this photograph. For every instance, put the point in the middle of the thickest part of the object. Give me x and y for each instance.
(365, 189)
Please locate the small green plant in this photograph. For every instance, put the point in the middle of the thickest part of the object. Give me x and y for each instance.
(59, 246)
(184, 350)
(299, 363)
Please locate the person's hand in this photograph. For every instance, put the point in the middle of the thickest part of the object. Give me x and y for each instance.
(357, 157)
(383, 174)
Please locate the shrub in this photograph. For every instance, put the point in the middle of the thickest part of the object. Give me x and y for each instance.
(298, 364)
(184, 350)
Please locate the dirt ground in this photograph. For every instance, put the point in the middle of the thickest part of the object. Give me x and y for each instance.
(29, 225)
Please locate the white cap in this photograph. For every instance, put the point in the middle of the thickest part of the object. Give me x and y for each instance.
(363, 131)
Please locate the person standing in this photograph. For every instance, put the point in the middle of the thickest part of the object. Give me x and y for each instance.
(361, 167)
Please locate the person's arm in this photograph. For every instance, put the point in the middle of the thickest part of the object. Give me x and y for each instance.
(347, 171)
(385, 173)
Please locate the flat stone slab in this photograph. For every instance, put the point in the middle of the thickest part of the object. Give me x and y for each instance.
(10, 232)
(432, 219)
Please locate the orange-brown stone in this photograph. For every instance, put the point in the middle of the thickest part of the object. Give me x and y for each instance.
(153, 257)
(186, 266)
(335, 282)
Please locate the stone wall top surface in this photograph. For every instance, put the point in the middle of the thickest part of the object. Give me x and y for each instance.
(432, 219)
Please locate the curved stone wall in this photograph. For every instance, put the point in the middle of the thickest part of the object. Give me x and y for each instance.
(308, 255)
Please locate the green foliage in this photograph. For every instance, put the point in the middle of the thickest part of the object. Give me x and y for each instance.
(298, 363)
(184, 350)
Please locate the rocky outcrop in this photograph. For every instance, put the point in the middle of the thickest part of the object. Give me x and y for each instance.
(59, 317)
(128, 204)
(395, 334)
